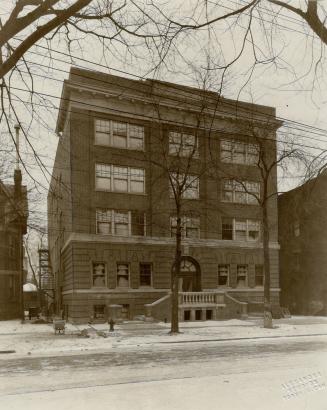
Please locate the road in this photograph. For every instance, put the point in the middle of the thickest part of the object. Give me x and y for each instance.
(224, 375)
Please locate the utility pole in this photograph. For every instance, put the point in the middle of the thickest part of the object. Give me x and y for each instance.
(18, 201)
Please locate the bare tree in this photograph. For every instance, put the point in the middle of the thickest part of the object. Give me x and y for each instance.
(267, 155)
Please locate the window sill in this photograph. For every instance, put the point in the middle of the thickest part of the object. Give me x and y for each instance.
(121, 192)
(122, 148)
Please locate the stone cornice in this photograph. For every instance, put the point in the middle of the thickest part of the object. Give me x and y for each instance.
(140, 240)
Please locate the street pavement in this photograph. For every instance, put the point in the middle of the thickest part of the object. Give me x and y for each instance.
(278, 373)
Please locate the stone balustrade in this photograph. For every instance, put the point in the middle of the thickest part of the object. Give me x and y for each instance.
(201, 298)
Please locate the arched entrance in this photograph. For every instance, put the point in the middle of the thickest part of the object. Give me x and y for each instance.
(190, 275)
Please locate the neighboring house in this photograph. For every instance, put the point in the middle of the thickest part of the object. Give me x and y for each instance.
(13, 222)
(111, 217)
(303, 241)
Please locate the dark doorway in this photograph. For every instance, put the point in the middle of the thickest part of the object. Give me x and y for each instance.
(190, 276)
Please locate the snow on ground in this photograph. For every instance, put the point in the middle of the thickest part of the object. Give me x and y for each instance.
(39, 339)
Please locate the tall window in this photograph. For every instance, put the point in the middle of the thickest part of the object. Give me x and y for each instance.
(242, 274)
(122, 275)
(98, 274)
(259, 276)
(243, 193)
(190, 186)
(240, 229)
(145, 274)
(223, 275)
(238, 152)
(190, 226)
(119, 134)
(183, 145)
(120, 223)
(119, 179)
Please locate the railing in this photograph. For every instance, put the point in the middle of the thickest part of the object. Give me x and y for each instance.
(201, 298)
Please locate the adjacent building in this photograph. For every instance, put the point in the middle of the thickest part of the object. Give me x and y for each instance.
(13, 223)
(303, 241)
(124, 146)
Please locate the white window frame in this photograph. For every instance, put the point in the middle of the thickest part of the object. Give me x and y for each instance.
(179, 146)
(187, 222)
(188, 189)
(133, 132)
(232, 189)
(116, 173)
(251, 151)
(113, 217)
(248, 224)
(228, 274)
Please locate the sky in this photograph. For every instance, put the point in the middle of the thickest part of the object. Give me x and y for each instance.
(290, 76)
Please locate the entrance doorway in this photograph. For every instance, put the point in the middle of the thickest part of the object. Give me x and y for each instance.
(190, 276)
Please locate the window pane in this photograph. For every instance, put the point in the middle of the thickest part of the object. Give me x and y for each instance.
(119, 128)
(119, 141)
(103, 177)
(99, 311)
(136, 136)
(191, 187)
(102, 132)
(137, 180)
(239, 154)
(138, 223)
(104, 228)
(226, 151)
(121, 223)
(227, 229)
(120, 179)
(240, 230)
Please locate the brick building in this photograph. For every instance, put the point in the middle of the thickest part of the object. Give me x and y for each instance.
(303, 241)
(13, 222)
(111, 213)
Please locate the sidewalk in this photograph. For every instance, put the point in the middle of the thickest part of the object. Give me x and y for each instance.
(39, 339)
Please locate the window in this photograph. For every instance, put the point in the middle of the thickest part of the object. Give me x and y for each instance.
(253, 230)
(120, 223)
(182, 144)
(137, 180)
(119, 134)
(190, 185)
(227, 229)
(240, 192)
(223, 274)
(238, 152)
(259, 276)
(145, 274)
(103, 177)
(119, 179)
(122, 275)
(241, 278)
(190, 226)
(103, 221)
(98, 274)
(240, 229)
(99, 311)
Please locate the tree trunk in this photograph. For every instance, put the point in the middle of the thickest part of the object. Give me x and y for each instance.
(266, 257)
(175, 274)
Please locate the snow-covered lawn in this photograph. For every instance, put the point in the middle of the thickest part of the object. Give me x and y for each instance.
(39, 339)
